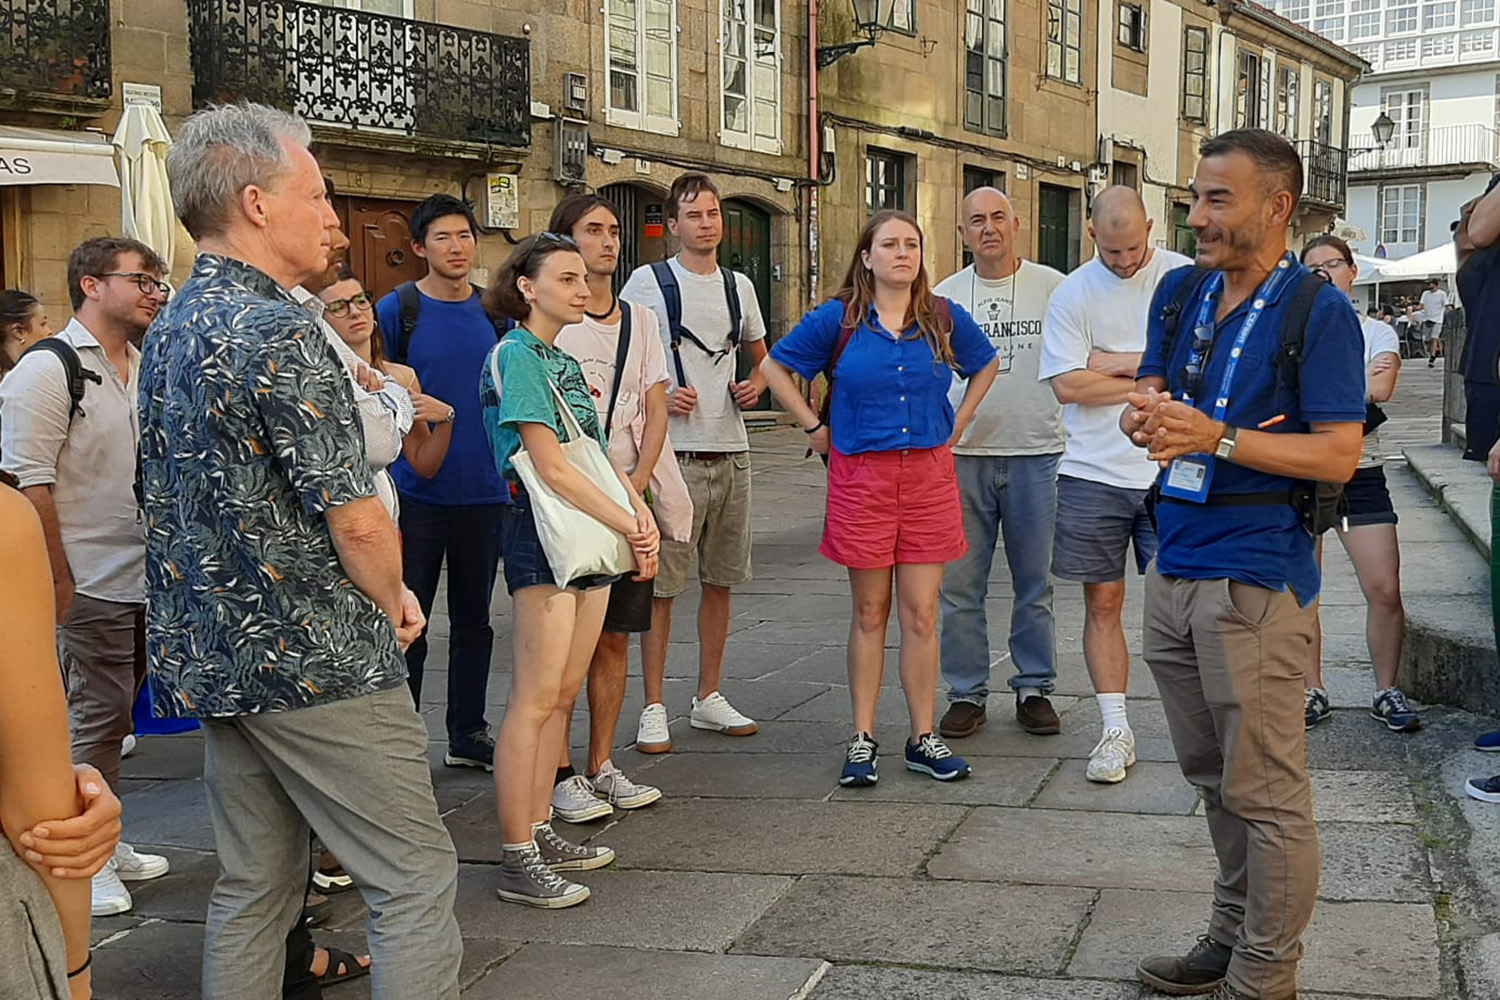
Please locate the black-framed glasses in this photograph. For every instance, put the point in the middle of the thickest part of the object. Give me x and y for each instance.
(1330, 265)
(148, 284)
(338, 307)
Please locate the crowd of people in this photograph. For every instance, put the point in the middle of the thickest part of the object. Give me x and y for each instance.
(258, 505)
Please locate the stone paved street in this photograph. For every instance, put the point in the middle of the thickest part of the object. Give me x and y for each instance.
(757, 878)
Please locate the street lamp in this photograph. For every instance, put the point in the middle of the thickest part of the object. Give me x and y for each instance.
(1383, 129)
(871, 17)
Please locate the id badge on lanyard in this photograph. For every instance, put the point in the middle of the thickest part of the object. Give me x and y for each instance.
(1190, 476)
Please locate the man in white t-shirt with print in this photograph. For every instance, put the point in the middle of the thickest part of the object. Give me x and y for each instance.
(708, 433)
(1434, 306)
(1007, 478)
(1091, 345)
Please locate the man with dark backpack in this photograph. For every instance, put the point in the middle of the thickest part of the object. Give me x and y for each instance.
(707, 314)
(439, 328)
(1239, 427)
(68, 431)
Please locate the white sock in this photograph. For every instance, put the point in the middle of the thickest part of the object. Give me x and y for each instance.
(1112, 708)
(530, 845)
(1024, 693)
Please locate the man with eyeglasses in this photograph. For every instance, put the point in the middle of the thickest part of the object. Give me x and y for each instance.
(77, 466)
(1242, 430)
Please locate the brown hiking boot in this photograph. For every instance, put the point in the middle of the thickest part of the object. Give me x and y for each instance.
(1200, 971)
(963, 718)
(1037, 716)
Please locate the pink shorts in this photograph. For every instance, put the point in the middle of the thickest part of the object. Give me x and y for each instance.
(891, 507)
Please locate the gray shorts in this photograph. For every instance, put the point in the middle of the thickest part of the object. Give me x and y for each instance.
(1431, 331)
(1095, 523)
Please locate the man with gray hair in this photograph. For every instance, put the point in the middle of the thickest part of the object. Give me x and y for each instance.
(276, 609)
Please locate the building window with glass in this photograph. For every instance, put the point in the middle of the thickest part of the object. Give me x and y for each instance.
(640, 45)
(888, 176)
(752, 75)
(1296, 10)
(1401, 214)
(1065, 40)
(1478, 12)
(903, 17)
(1288, 99)
(984, 66)
(1132, 28)
(1247, 92)
(1443, 14)
(1323, 112)
(1401, 17)
(1407, 109)
(1195, 75)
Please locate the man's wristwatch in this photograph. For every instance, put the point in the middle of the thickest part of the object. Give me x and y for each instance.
(1227, 442)
(448, 418)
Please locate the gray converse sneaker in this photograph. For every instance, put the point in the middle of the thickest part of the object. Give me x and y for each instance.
(526, 879)
(620, 791)
(565, 856)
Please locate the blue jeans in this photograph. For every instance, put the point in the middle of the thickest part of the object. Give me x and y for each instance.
(470, 539)
(1016, 495)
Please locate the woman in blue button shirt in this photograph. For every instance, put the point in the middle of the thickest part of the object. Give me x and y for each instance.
(893, 507)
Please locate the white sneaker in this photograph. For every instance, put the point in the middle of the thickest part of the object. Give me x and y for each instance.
(653, 736)
(715, 712)
(110, 895)
(574, 801)
(1109, 759)
(620, 791)
(127, 746)
(133, 867)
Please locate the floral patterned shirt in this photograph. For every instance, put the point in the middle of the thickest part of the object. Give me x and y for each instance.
(248, 435)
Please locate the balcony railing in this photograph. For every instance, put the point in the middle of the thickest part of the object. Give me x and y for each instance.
(54, 48)
(1444, 146)
(1326, 170)
(358, 70)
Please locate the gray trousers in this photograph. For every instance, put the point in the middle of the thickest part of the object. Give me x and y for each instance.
(356, 772)
(104, 665)
(1231, 661)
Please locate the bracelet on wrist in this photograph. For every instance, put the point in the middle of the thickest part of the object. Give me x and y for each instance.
(815, 428)
(82, 968)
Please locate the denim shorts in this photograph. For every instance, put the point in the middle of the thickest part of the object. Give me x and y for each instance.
(525, 560)
(1368, 498)
(1096, 523)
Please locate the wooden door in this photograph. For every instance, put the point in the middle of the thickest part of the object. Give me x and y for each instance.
(1052, 228)
(380, 250)
(747, 247)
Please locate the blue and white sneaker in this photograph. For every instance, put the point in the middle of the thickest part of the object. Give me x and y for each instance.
(859, 762)
(1391, 707)
(1484, 789)
(931, 755)
(1488, 742)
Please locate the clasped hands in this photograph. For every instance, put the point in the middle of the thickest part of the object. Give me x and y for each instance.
(1168, 428)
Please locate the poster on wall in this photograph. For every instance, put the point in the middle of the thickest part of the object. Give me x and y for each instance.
(654, 227)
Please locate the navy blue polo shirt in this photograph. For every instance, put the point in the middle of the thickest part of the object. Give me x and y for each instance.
(1479, 289)
(448, 349)
(892, 391)
(1260, 545)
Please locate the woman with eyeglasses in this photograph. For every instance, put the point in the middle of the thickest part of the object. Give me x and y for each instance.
(893, 500)
(350, 310)
(555, 623)
(1369, 529)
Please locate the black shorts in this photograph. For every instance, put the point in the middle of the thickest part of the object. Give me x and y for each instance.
(629, 606)
(1367, 498)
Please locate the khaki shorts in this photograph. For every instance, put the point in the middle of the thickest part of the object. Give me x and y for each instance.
(720, 490)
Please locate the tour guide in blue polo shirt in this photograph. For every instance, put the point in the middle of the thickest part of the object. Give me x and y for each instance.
(1229, 616)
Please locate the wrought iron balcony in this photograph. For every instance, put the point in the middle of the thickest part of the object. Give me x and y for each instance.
(1444, 146)
(362, 71)
(54, 54)
(1325, 173)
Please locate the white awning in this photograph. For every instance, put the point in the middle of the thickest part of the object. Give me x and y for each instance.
(42, 156)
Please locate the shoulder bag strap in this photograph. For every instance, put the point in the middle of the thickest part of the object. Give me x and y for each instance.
(732, 300)
(569, 418)
(410, 301)
(622, 351)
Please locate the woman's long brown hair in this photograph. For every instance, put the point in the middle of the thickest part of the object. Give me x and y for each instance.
(935, 325)
(377, 339)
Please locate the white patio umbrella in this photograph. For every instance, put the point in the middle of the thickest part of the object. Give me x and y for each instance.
(146, 211)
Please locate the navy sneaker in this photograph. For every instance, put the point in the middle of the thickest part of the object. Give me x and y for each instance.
(1392, 708)
(1484, 789)
(476, 749)
(931, 755)
(859, 762)
(1488, 742)
(1317, 707)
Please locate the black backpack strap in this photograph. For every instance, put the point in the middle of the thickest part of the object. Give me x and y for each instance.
(502, 324)
(1294, 335)
(671, 297)
(410, 301)
(73, 369)
(1171, 314)
(622, 351)
(732, 299)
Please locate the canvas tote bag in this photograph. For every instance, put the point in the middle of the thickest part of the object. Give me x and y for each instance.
(576, 543)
